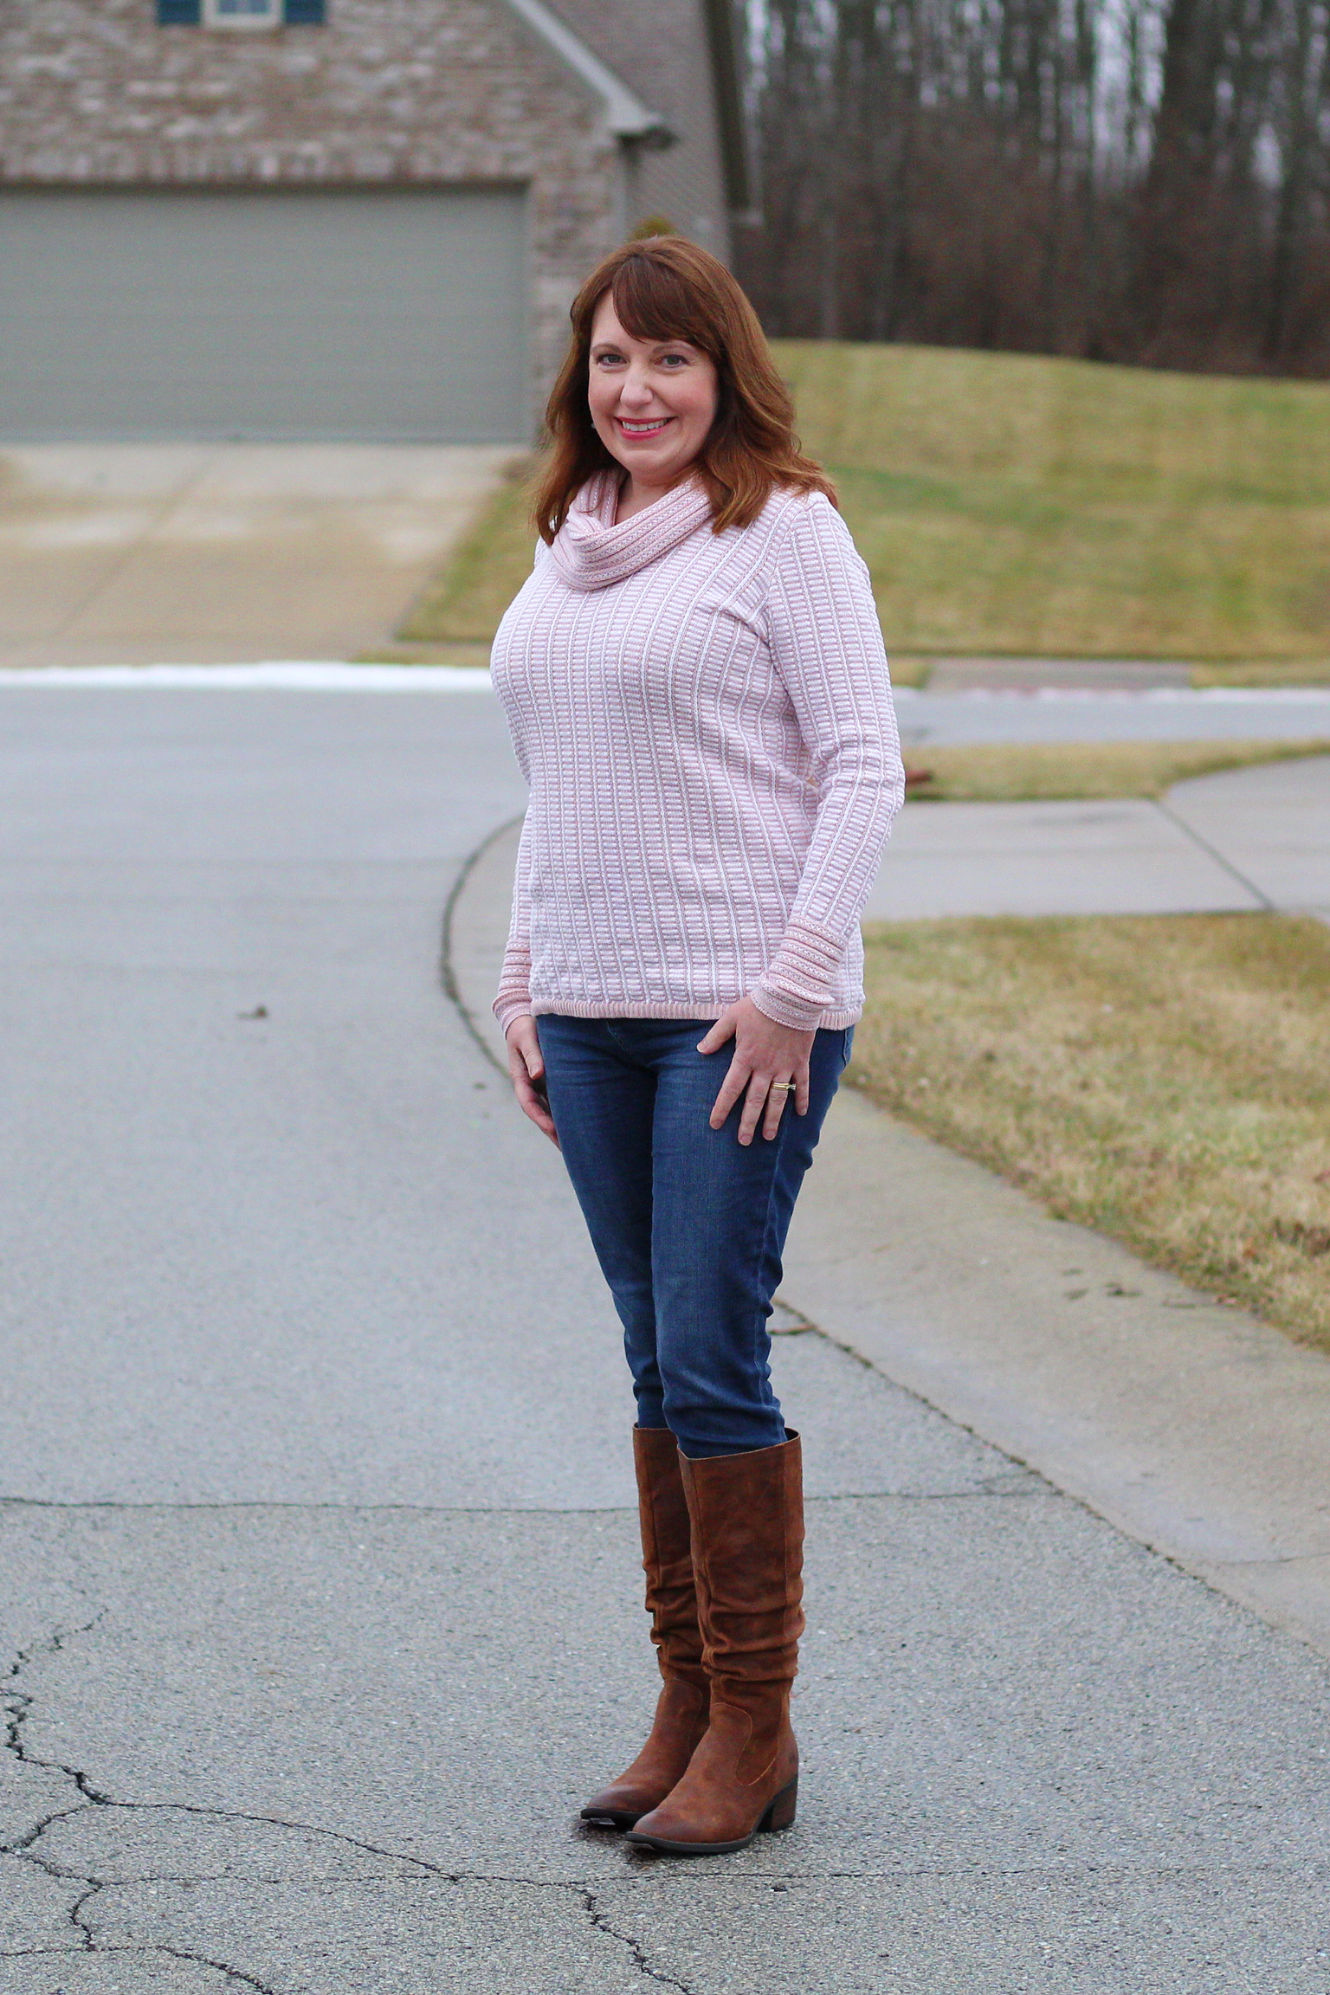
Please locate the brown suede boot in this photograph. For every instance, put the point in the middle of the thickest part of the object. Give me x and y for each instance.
(681, 1710)
(748, 1534)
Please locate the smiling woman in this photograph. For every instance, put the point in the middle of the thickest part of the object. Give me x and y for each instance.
(652, 403)
(694, 680)
(676, 345)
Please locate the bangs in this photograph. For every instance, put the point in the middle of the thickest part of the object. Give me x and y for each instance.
(655, 302)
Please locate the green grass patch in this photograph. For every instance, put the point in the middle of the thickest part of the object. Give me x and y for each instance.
(463, 603)
(1012, 504)
(1016, 772)
(1165, 1079)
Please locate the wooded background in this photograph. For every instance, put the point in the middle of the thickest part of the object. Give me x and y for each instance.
(1133, 180)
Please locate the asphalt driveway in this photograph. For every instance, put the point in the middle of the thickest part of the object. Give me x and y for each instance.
(320, 1611)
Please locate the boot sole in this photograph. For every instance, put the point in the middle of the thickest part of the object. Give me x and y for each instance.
(779, 1816)
(610, 1818)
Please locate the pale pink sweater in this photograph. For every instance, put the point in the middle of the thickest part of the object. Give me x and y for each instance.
(706, 725)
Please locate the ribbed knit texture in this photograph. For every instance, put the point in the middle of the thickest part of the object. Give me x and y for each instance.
(706, 725)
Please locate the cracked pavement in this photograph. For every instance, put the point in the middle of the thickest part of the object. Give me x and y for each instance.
(321, 1603)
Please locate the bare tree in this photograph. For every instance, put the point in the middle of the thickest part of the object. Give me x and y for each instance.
(1131, 179)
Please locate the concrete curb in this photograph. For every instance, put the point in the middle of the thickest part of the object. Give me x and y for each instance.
(1193, 1428)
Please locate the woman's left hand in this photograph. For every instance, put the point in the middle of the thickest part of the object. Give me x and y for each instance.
(763, 1052)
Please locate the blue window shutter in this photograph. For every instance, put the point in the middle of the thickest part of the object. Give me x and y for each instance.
(304, 13)
(178, 13)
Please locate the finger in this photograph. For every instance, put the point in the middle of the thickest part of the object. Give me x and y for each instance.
(776, 1101)
(801, 1092)
(520, 1059)
(730, 1090)
(533, 1100)
(717, 1035)
(754, 1102)
(526, 1085)
(534, 1107)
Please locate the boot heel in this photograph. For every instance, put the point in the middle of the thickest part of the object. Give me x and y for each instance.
(781, 1812)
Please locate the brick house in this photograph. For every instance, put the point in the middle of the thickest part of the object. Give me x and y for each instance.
(327, 218)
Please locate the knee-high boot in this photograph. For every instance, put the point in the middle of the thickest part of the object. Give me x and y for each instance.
(748, 1529)
(671, 1598)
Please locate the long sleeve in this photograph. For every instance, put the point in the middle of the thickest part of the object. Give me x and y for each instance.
(514, 995)
(826, 646)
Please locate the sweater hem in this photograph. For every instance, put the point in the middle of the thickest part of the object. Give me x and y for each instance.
(833, 1019)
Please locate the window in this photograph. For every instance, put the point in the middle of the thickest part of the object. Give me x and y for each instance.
(240, 13)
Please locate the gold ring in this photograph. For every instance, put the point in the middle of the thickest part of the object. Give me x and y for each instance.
(784, 1087)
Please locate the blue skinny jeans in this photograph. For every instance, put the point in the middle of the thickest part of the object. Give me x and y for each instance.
(688, 1224)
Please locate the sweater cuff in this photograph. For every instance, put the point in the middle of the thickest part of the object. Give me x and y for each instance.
(514, 993)
(798, 986)
(506, 1009)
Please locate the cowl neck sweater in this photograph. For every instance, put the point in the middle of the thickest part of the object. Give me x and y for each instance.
(590, 551)
(712, 757)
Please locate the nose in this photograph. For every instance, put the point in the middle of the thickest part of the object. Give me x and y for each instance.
(635, 390)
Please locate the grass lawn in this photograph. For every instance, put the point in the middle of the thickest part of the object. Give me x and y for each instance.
(464, 601)
(1011, 504)
(1165, 1079)
(1010, 772)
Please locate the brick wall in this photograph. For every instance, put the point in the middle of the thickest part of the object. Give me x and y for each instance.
(661, 49)
(409, 91)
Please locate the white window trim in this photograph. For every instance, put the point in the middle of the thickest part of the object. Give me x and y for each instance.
(214, 18)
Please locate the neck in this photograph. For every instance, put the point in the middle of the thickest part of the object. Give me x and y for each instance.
(635, 496)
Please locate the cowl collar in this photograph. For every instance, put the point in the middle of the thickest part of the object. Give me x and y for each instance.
(590, 551)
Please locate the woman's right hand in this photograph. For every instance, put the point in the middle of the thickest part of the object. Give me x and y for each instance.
(526, 1066)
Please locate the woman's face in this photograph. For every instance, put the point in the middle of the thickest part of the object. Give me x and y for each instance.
(652, 401)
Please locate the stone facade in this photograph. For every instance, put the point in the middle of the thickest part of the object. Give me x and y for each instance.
(418, 92)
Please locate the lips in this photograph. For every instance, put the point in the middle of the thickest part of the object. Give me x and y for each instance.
(642, 429)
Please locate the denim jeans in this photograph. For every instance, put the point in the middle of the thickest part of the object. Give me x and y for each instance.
(688, 1224)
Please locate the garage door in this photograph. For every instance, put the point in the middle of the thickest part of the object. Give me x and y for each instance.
(380, 315)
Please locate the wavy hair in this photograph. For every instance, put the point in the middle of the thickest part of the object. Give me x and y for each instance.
(668, 288)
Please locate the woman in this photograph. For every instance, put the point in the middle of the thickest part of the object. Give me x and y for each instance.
(696, 689)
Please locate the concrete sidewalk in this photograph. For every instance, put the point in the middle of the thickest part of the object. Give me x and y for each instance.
(134, 554)
(1246, 838)
(1196, 1429)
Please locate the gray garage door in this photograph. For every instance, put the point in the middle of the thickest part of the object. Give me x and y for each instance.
(151, 314)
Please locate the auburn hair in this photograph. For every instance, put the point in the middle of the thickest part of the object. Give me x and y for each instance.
(664, 288)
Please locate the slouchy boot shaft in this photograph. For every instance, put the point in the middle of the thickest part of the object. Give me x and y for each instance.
(748, 1529)
(671, 1599)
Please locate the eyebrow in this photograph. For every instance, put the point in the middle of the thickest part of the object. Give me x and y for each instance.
(675, 340)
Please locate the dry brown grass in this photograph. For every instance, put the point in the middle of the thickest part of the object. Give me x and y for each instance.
(462, 604)
(1016, 505)
(1021, 505)
(1165, 1079)
(1010, 772)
